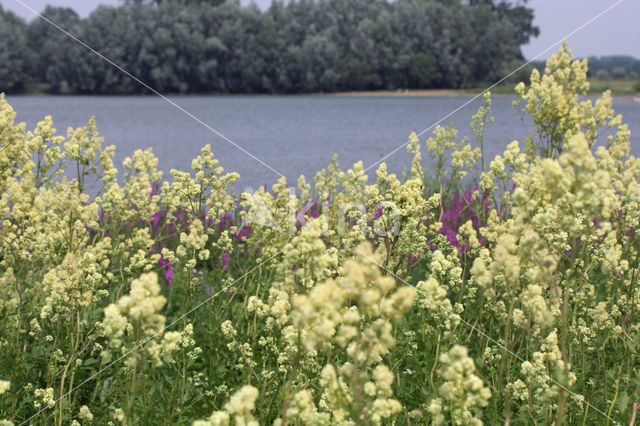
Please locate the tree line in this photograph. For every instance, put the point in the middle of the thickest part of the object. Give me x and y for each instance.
(618, 66)
(612, 66)
(182, 46)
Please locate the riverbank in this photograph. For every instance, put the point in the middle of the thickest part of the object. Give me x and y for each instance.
(620, 88)
(427, 93)
(617, 99)
(624, 90)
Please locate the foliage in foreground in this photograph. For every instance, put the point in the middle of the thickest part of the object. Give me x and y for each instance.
(348, 303)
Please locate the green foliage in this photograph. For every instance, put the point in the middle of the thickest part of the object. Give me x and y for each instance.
(60, 61)
(423, 71)
(297, 46)
(617, 66)
(366, 303)
(15, 56)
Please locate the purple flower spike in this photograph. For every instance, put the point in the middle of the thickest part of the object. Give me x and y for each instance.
(314, 211)
(157, 217)
(169, 275)
(378, 213)
(225, 222)
(225, 262)
(165, 263)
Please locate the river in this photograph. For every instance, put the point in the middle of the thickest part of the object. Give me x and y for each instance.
(292, 134)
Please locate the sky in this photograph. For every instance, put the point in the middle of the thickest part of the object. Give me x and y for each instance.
(617, 32)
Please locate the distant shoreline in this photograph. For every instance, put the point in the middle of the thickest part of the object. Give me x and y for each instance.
(618, 98)
(426, 93)
(452, 93)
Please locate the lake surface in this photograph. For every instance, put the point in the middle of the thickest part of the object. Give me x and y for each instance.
(292, 134)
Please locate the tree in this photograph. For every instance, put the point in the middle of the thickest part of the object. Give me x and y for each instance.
(113, 32)
(61, 60)
(618, 72)
(192, 46)
(423, 71)
(15, 56)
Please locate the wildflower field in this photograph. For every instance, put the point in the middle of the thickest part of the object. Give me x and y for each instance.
(470, 290)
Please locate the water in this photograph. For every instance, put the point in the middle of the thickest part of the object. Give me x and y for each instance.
(292, 134)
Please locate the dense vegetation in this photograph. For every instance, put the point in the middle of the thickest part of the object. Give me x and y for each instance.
(353, 303)
(603, 67)
(294, 46)
(614, 67)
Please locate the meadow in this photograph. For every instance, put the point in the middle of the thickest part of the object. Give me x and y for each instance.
(479, 290)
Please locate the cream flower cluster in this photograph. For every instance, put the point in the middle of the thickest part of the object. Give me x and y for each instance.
(538, 388)
(161, 352)
(543, 257)
(307, 260)
(5, 385)
(462, 392)
(135, 314)
(355, 313)
(239, 409)
(208, 188)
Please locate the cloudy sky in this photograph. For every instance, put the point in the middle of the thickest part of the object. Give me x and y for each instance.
(616, 32)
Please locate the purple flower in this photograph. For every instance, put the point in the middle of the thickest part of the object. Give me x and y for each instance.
(226, 221)
(225, 262)
(169, 275)
(157, 217)
(378, 213)
(314, 210)
(166, 263)
(244, 232)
